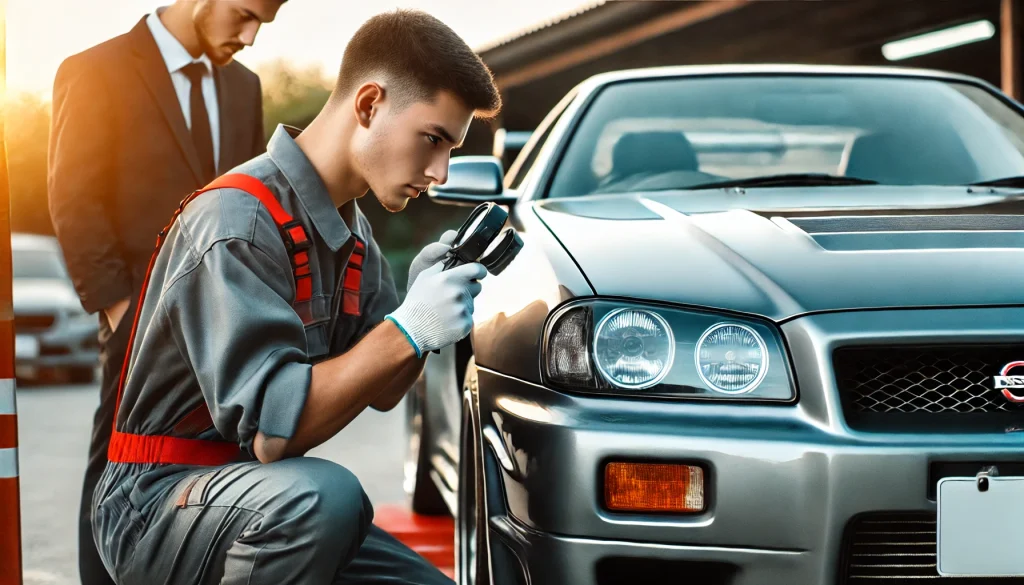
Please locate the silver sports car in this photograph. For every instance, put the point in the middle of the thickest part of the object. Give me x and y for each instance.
(56, 340)
(767, 329)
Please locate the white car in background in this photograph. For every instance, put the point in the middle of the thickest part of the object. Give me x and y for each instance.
(55, 339)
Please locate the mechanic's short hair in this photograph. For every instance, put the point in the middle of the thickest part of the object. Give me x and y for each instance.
(421, 56)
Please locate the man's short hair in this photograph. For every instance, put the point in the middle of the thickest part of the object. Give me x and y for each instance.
(422, 56)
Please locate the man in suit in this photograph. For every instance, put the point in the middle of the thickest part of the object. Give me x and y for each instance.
(139, 122)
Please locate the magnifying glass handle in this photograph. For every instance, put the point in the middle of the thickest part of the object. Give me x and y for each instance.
(450, 262)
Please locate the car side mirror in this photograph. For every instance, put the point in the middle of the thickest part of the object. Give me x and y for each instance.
(473, 180)
(509, 143)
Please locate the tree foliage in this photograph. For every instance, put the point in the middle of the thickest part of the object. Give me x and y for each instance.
(27, 123)
(291, 95)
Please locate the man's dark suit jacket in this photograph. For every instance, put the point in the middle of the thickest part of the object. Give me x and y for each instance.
(121, 157)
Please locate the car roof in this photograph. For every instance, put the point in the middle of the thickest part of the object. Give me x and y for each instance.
(24, 241)
(773, 69)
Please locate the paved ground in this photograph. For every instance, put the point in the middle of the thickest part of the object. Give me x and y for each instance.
(54, 428)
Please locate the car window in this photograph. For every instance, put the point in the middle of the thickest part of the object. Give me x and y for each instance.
(1009, 120)
(518, 173)
(675, 133)
(37, 264)
(731, 148)
(520, 168)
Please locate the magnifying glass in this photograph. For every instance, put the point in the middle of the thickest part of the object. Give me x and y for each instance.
(481, 239)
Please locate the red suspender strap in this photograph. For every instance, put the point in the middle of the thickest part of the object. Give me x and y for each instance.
(132, 448)
(292, 232)
(353, 280)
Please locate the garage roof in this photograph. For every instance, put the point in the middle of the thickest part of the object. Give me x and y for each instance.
(537, 27)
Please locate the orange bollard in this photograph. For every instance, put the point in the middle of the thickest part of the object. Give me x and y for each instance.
(10, 512)
(10, 507)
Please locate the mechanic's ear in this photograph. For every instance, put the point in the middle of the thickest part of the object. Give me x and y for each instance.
(369, 98)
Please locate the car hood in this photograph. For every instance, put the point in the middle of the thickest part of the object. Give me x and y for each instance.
(44, 295)
(708, 249)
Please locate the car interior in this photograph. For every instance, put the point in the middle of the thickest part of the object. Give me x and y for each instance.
(905, 137)
(899, 157)
(638, 155)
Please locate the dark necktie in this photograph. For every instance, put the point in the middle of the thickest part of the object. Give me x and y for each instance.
(202, 136)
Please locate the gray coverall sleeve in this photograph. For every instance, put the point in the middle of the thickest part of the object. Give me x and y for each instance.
(244, 341)
(384, 301)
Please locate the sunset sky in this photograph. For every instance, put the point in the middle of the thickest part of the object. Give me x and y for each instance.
(41, 33)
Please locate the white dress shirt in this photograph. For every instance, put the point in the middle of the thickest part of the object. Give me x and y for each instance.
(176, 57)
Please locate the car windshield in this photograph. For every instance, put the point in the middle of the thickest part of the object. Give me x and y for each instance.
(37, 264)
(678, 133)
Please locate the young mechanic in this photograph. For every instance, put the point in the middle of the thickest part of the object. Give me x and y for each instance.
(250, 349)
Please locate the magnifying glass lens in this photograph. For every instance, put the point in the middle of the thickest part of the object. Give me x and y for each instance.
(472, 229)
(499, 240)
(477, 235)
(501, 251)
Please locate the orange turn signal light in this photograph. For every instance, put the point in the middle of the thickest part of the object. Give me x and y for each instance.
(653, 487)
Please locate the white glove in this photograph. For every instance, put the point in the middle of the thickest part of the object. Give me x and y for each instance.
(438, 309)
(430, 254)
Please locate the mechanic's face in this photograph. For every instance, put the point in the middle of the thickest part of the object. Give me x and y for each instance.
(404, 151)
(225, 27)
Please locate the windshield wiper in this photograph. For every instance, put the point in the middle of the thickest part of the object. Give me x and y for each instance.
(789, 180)
(1004, 182)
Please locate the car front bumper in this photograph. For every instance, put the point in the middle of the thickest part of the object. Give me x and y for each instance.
(783, 483)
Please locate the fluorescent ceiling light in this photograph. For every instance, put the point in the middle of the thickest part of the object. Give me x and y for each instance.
(932, 42)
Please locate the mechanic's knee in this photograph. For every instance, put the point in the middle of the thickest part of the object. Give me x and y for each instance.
(330, 502)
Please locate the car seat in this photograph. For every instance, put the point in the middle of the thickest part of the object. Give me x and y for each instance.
(650, 153)
(910, 158)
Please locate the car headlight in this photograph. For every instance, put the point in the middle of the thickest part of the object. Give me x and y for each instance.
(633, 348)
(731, 358)
(655, 351)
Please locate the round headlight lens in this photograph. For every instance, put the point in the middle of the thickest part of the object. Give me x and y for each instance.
(731, 358)
(634, 348)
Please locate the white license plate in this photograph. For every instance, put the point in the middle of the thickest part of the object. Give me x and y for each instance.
(26, 347)
(980, 532)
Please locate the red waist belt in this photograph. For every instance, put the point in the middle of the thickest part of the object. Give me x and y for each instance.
(132, 448)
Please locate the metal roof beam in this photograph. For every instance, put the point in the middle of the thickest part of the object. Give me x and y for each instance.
(1010, 58)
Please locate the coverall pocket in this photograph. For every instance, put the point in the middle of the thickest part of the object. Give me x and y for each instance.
(119, 528)
(133, 530)
(194, 492)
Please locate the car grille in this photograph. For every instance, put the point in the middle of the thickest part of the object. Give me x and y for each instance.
(32, 323)
(896, 549)
(956, 382)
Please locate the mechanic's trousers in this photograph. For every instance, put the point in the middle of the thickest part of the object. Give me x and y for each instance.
(302, 520)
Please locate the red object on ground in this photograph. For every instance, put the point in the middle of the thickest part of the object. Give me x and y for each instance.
(432, 537)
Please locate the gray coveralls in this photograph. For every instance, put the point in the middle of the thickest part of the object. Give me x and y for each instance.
(218, 324)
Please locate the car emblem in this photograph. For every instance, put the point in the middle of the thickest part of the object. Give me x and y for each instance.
(1009, 384)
